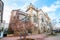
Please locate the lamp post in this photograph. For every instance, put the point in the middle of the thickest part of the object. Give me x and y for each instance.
(25, 29)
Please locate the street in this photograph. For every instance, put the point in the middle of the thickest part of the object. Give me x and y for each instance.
(36, 37)
(57, 37)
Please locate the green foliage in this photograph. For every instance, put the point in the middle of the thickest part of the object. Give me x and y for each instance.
(10, 31)
(52, 34)
(1, 28)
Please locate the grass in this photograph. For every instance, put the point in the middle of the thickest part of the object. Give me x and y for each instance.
(55, 34)
(52, 34)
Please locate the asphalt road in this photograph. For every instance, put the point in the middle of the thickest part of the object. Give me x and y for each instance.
(57, 37)
(37, 37)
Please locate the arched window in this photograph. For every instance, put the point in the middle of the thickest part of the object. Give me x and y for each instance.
(35, 18)
(42, 19)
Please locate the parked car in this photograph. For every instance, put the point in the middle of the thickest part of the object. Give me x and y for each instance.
(56, 31)
(1, 32)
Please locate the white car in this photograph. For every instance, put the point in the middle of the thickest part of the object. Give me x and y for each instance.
(1, 34)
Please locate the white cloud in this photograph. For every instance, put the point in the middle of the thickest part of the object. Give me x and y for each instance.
(8, 8)
(7, 11)
(51, 9)
(14, 5)
(58, 2)
(27, 3)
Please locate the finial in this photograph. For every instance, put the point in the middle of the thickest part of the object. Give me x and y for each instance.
(31, 5)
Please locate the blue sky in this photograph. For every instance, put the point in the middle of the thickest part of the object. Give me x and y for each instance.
(52, 7)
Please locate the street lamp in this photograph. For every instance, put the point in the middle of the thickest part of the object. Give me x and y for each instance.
(25, 29)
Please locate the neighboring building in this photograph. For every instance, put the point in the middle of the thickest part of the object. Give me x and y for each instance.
(33, 20)
(1, 18)
(1, 30)
(1, 10)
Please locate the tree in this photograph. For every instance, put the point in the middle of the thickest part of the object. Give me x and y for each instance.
(51, 27)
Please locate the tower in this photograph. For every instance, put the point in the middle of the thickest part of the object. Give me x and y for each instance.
(1, 10)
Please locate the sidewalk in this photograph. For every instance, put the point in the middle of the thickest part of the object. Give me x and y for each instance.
(37, 37)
